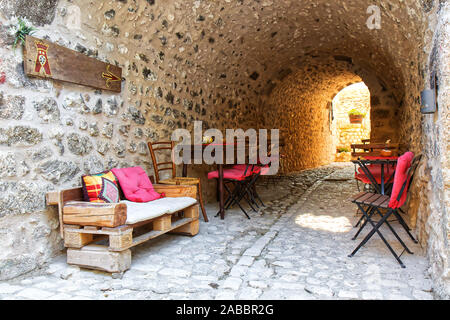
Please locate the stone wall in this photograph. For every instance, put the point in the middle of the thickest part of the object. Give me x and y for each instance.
(52, 133)
(431, 190)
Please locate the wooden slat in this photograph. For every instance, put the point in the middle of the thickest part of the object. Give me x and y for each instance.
(74, 194)
(385, 204)
(163, 148)
(91, 228)
(163, 163)
(381, 200)
(95, 214)
(71, 66)
(190, 229)
(364, 197)
(162, 223)
(102, 231)
(164, 169)
(373, 198)
(76, 239)
(366, 154)
(177, 190)
(367, 146)
(99, 257)
(155, 233)
(356, 196)
(52, 198)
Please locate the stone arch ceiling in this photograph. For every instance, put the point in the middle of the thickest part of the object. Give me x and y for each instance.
(226, 42)
(220, 60)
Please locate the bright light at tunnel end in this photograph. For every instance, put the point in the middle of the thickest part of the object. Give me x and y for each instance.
(209, 147)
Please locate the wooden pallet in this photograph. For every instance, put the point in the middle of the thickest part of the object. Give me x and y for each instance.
(123, 237)
(112, 214)
(93, 244)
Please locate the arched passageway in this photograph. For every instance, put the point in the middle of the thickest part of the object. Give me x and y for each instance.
(300, 105)
(232, 64)
(353, 99)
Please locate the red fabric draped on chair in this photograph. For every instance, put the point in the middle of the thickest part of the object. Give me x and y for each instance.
(239, 176)
(371, 203)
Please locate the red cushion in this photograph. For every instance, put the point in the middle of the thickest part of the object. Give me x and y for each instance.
(364, 179)
(403, 164)
(249, 172)
(136, 185)
(376, 170)
(232, 174)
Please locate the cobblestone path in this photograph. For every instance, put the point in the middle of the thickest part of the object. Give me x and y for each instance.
(296, 248)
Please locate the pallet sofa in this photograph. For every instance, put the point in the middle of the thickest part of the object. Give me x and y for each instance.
(100, 235)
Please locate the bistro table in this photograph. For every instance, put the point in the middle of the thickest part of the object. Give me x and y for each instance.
(382, 161)
(220, 167)
(373, 149)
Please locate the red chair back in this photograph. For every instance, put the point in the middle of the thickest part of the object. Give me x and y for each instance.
(406, 167)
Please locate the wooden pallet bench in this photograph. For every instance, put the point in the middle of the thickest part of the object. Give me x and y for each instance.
(97, 236)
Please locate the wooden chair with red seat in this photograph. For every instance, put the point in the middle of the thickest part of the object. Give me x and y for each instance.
(170, 166)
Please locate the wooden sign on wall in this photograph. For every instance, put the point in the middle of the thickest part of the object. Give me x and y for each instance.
(48, 60)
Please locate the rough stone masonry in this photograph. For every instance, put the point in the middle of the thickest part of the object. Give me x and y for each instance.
(231, 64)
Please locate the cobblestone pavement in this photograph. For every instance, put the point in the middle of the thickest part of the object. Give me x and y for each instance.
(296, 248)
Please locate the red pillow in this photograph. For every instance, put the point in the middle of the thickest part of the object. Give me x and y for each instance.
(403, 164)
(136, 185)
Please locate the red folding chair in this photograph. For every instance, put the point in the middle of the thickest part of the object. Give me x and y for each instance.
(371, 203)
(239, 176)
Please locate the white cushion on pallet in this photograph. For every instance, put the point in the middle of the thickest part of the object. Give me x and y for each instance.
(141, 211)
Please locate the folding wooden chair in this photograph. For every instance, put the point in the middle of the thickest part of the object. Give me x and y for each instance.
(371, 203)
(170, 166)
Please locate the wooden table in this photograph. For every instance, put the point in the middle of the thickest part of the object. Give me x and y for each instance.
(220, 169)
(373, 149)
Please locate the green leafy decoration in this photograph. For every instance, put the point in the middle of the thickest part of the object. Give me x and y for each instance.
(343, 149)
(356, 112)
(22, 31)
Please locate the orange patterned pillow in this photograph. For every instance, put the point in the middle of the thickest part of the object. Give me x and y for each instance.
(100, 187)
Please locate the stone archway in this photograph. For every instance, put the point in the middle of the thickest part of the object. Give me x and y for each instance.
(299, 104)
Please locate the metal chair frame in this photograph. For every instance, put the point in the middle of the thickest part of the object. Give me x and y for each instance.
(373, 203)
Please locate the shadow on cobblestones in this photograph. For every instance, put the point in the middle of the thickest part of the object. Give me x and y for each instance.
(295, 248)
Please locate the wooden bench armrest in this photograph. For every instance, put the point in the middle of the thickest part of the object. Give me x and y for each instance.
(175, 191)
(94, 214)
